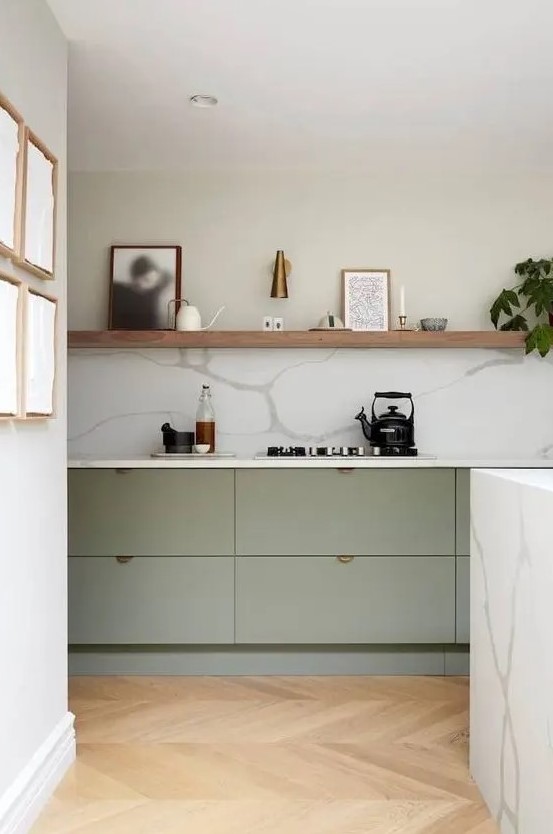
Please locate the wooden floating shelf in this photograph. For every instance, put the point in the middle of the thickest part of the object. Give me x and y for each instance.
(293, 339)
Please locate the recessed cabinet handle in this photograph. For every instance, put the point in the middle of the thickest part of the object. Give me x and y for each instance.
(345, 469)
(120, 471)
(123, 559)
(345, 559)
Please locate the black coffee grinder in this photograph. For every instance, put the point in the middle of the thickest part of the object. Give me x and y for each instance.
(390, 433)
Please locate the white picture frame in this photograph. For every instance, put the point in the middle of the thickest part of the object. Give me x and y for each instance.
(36, 229)
(12, 138)
(366, 299)
(40, 352)
(11, 349)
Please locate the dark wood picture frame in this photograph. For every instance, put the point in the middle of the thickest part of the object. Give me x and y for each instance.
(144, 317)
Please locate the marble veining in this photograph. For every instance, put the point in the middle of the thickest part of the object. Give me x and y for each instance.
(118, 399)
(511, 753)
(508, 738)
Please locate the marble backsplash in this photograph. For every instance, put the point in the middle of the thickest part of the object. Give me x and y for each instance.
(469, 403)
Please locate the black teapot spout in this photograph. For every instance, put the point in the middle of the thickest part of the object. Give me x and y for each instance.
(365, 424)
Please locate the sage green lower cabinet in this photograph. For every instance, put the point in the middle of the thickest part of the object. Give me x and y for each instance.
(155, 512)
(151, 600)
(396, 512)
(367, 600)
(462, 512)
(463, 600)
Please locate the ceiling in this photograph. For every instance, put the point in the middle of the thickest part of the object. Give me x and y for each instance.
(344, 84)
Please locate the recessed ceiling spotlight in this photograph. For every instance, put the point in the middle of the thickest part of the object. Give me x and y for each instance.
(203, 101)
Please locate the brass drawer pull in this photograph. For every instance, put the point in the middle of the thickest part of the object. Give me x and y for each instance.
(345, 559)
(123, 559)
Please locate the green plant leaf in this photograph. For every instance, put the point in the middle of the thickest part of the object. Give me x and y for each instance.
(502, 304)
(516, 323)
(529, 285)
(540, 339)
(542, 296)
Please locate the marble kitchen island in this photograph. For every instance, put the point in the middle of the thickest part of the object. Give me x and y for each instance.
(511, 646)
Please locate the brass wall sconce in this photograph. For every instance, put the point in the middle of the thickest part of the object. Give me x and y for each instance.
(281, 271)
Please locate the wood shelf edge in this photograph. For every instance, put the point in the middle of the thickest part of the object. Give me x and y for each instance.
(128, 339)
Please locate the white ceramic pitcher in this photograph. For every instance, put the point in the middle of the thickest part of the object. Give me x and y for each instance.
(189, 318)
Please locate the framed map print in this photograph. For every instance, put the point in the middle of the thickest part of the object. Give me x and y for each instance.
(366, 299)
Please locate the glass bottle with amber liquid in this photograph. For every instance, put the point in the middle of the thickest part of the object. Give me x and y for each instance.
(205, 420)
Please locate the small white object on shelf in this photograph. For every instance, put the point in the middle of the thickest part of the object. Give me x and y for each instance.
(201, 448)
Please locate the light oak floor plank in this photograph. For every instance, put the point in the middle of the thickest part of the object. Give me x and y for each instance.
(278, 755)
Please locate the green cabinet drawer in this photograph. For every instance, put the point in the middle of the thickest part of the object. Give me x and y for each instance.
(462, 521)
(463, 600)
(317, 513)
(151, 600)
(322, 600)
(156, 512)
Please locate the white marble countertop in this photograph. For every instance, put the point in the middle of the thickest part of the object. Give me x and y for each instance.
(202, 462)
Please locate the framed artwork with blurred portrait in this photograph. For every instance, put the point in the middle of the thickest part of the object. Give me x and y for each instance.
(143, 280)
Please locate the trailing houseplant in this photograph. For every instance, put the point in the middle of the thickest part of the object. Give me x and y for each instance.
(534, 292)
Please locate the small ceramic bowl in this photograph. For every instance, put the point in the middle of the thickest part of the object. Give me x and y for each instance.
(434, 324)
(202, 448)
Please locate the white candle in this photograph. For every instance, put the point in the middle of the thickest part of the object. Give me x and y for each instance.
(402, 301)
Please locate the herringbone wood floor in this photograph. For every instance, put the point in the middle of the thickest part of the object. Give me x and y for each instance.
(269, 756)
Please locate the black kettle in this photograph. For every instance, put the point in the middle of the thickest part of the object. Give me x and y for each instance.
(391, 427)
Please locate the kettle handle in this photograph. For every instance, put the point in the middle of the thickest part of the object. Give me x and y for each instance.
(214, 319)
(172, 317)
(394, 395)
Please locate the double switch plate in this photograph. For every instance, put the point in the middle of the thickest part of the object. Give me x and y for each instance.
(273, 323)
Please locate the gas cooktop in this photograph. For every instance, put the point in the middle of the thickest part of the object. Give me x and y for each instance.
(337, 452)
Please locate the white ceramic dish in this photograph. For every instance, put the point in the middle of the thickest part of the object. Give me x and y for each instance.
(201, 448)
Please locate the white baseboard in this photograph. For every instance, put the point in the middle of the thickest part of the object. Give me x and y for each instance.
(24, 800)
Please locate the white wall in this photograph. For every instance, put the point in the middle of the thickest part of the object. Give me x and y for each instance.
(452, 241)
(33, 689)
